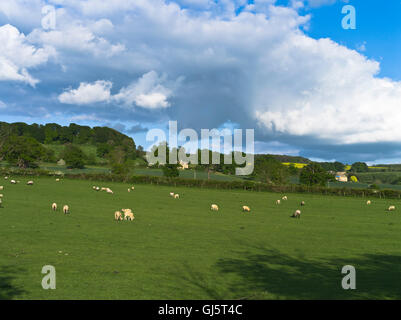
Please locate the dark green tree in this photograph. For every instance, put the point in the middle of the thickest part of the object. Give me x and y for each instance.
(270, 170)
(359, 167)
(314, 174)
(23, 152)
(74, 157)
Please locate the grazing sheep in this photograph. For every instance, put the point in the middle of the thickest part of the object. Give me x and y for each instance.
(302, 203)
(97, 189)
(109, 191)
(94, 187)
(1, 188)
(29, 183)
(246, 208)
(129, 190)
(57, 180)
(391, 208)
(118, 216)
(133, 188)
(128, 214)
(54, 206)
(1, 196)
(214, 207)
(66, 209)
(368, 202)
(278, 201)
(13, 182)
(176, 196)
(5, 178)
(297, 214)
(284, 198)
(103, 189)
(172, 194)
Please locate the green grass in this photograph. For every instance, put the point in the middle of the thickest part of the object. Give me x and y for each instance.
(179, 249)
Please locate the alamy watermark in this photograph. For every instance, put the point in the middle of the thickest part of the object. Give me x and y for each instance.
(349, 281)
(49, 280)
(349, 20)
(233, 146)
(49, 19)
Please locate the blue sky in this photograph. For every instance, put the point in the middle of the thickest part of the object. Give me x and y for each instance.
(285, 68)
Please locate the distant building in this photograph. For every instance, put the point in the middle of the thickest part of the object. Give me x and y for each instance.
(184, 165)
(341, 177)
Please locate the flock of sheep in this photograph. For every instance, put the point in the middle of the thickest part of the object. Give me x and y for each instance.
(127, 214)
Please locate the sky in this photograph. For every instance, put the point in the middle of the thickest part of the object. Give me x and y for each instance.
(286, 68)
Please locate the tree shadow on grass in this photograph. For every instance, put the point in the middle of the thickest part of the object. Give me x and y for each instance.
(8, 290)
(270, 274)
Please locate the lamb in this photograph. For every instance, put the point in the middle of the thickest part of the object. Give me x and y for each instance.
(176, 196)
(368, 202)
(30, 183)
(391, 208)
(278, 202)
(246, 208)
(297, 214)
(118, 216)
(66, 209)
(285, 198)
(54, 206)
(302, 203)
(214, 207)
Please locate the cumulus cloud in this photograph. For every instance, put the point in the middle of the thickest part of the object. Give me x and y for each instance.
(17, 55)
(148, 92)
(87, 93)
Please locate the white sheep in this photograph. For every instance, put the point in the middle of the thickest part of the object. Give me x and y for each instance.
(285, 198)
(57, 180)
(1, 196)
(109, 191)
(30, 183)
(118, 215)
(214, 207)
(368, 202)
(391, 208)
(133, 188)
(297, 214)
(66, 209)
(1, 188)
(176, 196)
(128, 214)
(172, 194)
(246, 208)
(302, 203)
(278, 201)
(13, 182)
(129, 190)
(54, 206)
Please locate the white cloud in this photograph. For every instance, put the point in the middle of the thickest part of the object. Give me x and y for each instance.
(87, 93)
(17, 55)
(2, 105)
(148, 92)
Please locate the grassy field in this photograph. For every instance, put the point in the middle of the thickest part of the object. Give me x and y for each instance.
(179, 249)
